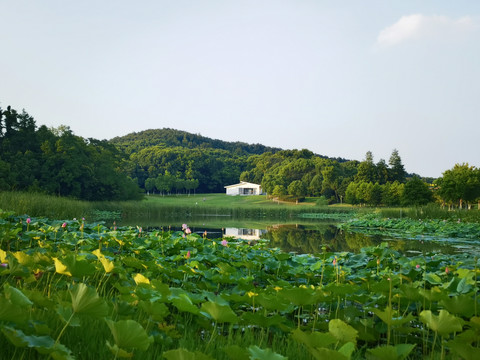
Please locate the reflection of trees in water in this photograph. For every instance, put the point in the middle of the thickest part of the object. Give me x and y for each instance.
(356, 241)
(311, 239)
(302, 239)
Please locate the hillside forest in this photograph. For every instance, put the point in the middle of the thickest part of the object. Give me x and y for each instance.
(168, 161)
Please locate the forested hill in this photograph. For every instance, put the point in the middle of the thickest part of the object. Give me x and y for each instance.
(170, 138)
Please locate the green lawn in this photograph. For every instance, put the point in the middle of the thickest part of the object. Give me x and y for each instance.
(222, 200)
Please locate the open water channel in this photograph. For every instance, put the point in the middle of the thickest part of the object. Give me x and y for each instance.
(307, 236)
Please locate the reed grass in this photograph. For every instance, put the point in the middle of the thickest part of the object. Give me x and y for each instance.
(157, 207)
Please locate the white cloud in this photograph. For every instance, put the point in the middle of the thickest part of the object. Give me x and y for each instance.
(418, 26)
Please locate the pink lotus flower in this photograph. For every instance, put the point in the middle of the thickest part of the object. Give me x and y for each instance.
(224, 242)
(184, 226)
(188, 231)
(29, 220)
(334, 262)
(417, 266)
(447, 270)
(188, 255)
(64, 225)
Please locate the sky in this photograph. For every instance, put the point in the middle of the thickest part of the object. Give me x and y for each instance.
(339, 78)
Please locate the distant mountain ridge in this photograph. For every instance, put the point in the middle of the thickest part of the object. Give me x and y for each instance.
(167, 137)
(170, 138)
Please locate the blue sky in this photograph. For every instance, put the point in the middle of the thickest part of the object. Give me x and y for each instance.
(339, 78)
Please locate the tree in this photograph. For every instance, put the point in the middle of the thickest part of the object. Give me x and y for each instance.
(150, 185)
(279, 191)
(416, 192)
(297, 189)
(382, 172)
(460, 184)
(351, 193)
(397, 171)
(392, 193)
(366, 169)
(376, 194)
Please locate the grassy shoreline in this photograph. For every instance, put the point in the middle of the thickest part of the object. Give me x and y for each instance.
(186, 207)
(155, 206)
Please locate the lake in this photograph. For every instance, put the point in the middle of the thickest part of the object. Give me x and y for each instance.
(307, 236)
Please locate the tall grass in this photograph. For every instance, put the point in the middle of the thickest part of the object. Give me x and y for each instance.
(156, 207)
(430, 211)
(41, 205)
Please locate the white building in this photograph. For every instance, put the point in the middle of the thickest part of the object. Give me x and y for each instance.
(244, 188)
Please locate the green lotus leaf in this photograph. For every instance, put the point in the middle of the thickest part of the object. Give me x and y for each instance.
(464, 350)
(324, 353)
(129, 334)
(465, 274)
(39, 299)
(475, 322)
(272, 302)
(157, 310)
(72, 266)
(119, 352)
(300, 296)
(257, 353)
(16, 296)
(389, 352)
(262, 320)
(19, 339)
(461, 305)
(86, 301)
(43, 344)
(433, 279)
(445, 323)
(67, 315)
(183, 354)
(315, 339)
(410, 292)
(464, 286)
(434, 294)
(347, 350)
(183, 303)
(11, 312)
(343, 332)
(219, 313)
(391, 317)
(130, 261)
(235, 352)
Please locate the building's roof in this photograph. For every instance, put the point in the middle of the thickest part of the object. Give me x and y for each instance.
(242, 184)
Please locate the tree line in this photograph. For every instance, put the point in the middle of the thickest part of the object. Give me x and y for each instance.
(55, 161)
(168, 161)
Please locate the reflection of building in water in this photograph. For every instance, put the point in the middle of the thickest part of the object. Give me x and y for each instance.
(246, 234)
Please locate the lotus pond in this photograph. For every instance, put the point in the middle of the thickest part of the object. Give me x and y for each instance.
(71, 289)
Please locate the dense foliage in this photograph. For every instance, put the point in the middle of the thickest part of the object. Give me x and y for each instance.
(135, 142)
(168, 161)
(55, 161)
(70, 289)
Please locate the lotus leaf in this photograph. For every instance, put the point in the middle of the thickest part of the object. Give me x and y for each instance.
(86, 301)
(343, 332)
(257, 353)
(129, 334)
(389, 352)
(219, 313)
(445, 323)
(183, 354)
